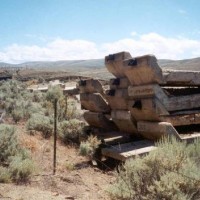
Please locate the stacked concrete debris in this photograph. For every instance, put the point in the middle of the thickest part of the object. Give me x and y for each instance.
(142, 100)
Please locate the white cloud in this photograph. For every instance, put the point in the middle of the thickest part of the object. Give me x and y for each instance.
(58, 49)
(61, 49)
(153, 43)
(134, 33)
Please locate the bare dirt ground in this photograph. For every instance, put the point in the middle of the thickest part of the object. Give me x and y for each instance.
(75, 177)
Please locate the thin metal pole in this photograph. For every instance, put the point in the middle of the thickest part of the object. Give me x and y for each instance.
(55, 136)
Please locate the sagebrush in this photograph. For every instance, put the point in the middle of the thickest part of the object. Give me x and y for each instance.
(169, 173)
(15, 162)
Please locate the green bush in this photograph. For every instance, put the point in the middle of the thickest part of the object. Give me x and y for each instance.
(38, 96)
(53, 93)
(34, 108)
(89, 147)
(9, 104)
(15, 99)
(5, 175)
(193, 151)
(85, 149)
(40, 123)
(66, 107)
(15, 162)
(72, 111)
(17, 114)
(168, 173)
(21, 168)
(69, 131)
(8, 143)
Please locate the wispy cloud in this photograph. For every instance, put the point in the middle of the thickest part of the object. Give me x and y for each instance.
(134, 33)
(42, 38)
(62, 49)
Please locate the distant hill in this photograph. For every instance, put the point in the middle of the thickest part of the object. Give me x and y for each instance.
(187, 64)
(2, 64)
(80, 65)
(61, 65)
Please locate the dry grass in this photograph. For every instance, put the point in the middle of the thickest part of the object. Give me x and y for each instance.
(29, 142)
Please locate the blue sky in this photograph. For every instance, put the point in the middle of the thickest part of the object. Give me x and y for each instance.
(85, 29)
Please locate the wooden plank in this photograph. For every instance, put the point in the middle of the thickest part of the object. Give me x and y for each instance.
(181, 91)
(119, 83)
(182, 78)
(174, 103)
(149, 109)
(182, 102)
(143, 70)
(124, 121)
(71, 92)
(99, 120)
(185, 112)
(94, 102)
(128, 150)
(182, 120)
(112, 139)
(116, 140)
(156, 130)
(190, 137)
(114, 63)
(105, 135)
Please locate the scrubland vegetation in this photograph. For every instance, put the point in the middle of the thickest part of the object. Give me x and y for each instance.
(36, 110)
(15, 162)
(169, 173)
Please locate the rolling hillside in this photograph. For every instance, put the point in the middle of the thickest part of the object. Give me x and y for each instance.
(81, 65)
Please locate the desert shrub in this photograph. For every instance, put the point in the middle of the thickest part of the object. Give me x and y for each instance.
(5, 175)
(15, 99)
(21, 168)
(17, 114)
(26, 95)
(41, 123)
(12, 88)
(85, 149)
(5, 87)
(69, 131)
(34, 108)
(66, 107)
(62, 107)
(9, 104)
(70, 166)
(193, 151)
(21, 109)
(8, 142)
(48, 108)
(53, 93)
(38, 96)
(88, 148)
(169, 172)
(72, 111)
(15, 162)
